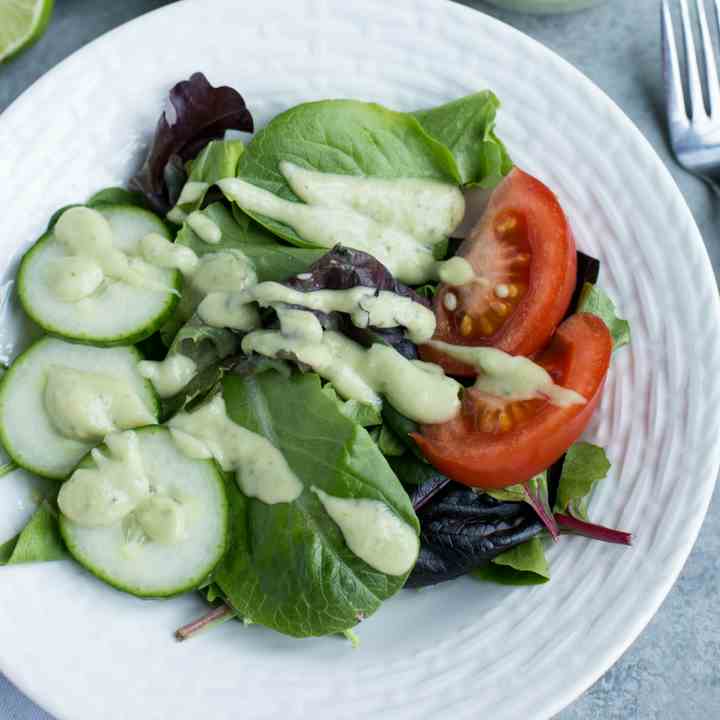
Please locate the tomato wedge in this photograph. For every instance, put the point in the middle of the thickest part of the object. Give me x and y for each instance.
(493, 442)
(523, 254)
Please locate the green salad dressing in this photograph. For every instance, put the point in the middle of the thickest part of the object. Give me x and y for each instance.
(170, 375)
(204, 227)
(373, 532)
(508, 376)
(260, 468)
(193, 190)
(86, 406)
(102, 495)
(91, 257)
(163, 519)
(228, 310)
(358, 373)
(366, 306)
(74, 278)
(215, 281)
(159, 251)
(455, 271)
(116, 489)
(398, 221)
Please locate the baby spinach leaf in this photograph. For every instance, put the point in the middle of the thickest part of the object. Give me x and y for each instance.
(272, 260)
(347, 137)
(288, 566)
(585, 465)
(197, 113)
(466, 127)
(39, 541)
(594, 300)
(524, 564)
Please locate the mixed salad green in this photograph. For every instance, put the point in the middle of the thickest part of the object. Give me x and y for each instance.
(272, 375)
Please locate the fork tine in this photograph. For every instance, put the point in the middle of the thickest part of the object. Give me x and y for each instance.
(709, 56)
(674, 98)
(697, 104)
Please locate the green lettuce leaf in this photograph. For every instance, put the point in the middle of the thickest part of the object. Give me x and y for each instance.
(206, 346)
(525, 564)
(288, 566)
(39, 541)
(517, 493)
(584, 466)
(466, 127)
(389, 443)
(429, 290)
(272, 260)
(218, 160)
(347, 137)
(594, 300)
(116, 196)
(359, 412)
(536, 493)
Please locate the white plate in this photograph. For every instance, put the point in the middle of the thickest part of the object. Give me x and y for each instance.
(463, 649)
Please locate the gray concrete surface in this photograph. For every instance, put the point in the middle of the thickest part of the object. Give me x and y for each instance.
(673, 670)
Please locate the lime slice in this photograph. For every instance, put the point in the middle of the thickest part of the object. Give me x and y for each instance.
(22, 22)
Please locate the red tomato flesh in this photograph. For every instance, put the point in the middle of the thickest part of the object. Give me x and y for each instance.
(523, 253)
(493, 442)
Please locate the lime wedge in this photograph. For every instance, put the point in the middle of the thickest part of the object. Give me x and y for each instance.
(22, 22)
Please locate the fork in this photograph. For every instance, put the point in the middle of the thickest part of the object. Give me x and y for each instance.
(694, 135)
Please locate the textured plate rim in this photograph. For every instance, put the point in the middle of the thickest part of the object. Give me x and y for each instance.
(660, 589)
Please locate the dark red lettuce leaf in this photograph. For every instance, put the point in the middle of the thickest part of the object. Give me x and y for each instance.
(462, 530)
(344, 268)
(202, 113)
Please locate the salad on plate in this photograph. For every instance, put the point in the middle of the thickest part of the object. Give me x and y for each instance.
(298, 371)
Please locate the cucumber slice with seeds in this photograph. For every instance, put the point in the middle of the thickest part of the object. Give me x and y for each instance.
(115, 314)
(26, 430)
(129, 561)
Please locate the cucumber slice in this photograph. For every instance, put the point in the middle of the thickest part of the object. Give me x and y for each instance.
(26, 431)
(116, 313)
(152, 569)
